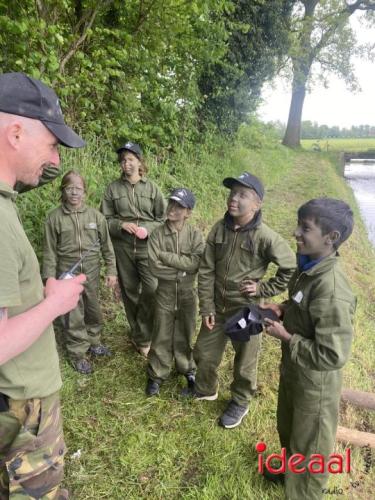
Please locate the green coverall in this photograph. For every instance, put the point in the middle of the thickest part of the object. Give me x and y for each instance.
(174, 258)
(142, 204)
(231, 256)
(319, 314)
(67, 235)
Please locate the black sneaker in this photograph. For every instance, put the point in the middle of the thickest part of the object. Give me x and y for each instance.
(233, 415)
(188, 392)
(82, 366)
(152, 388)
(99, 350)
(190, 378)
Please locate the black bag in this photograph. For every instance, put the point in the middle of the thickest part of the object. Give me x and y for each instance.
(247, 322)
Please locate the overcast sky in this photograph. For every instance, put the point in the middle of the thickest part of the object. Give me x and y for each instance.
(332, 106)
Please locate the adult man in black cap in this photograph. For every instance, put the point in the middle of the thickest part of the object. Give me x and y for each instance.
(31, 440)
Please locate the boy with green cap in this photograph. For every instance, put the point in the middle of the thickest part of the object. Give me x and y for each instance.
(316, 336)
(174, 252)
(238, 251)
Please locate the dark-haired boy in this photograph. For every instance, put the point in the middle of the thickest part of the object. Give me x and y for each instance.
(239, 249)
(316, 337)
(174, 252)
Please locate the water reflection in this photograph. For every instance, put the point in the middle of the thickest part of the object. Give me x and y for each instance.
(361, 178)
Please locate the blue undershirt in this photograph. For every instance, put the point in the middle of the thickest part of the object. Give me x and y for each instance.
(305, 262)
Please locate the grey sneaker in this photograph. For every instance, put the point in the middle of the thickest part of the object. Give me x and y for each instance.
(82, 366)
(99, 350)
(233, 415)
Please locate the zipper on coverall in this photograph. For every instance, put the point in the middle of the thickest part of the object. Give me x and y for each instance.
(79, 240)
(227, 267)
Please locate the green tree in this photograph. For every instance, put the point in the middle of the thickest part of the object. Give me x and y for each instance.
(257, 39)
(122, 69)
(321, 36)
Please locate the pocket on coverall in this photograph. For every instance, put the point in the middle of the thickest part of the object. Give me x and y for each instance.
(35, 461)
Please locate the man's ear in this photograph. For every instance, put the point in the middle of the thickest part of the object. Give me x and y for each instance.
(14, 133)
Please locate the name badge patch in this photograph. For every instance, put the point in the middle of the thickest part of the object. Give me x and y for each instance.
(91, 225)
(298, 297)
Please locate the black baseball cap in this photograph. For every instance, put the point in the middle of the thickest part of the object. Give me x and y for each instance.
(248, 180)
(248, 322)
(25, 96)
(132, 147)
(184, 197)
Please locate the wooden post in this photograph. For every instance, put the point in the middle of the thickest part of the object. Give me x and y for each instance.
(359, 398)
(354, 437)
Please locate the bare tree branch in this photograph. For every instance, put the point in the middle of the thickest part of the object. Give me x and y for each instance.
(80, 40)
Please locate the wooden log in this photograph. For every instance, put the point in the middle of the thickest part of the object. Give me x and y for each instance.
(354, 437)
(359, 398)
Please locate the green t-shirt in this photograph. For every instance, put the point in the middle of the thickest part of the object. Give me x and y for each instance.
(35, 372)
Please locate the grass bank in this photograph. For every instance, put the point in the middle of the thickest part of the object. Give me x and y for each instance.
(164, 448)
(340, 144)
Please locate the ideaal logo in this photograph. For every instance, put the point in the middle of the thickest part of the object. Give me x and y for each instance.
(315, 464)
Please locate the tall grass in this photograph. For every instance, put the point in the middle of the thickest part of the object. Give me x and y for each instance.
(165, 448)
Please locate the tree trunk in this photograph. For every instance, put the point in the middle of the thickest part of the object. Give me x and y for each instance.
(293, 129)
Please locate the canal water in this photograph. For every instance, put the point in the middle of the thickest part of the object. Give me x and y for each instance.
(361, 178)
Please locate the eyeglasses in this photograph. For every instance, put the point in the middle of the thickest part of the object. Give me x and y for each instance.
(73, 189)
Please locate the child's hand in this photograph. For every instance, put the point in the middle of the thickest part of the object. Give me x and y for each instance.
(111, 281)
(278, 309)
(129, 227)
(209, 321)
(248, 287)
(277, 330)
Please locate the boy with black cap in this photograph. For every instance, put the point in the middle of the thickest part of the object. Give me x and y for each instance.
(174, 252)
(32, 446)
(238, 251)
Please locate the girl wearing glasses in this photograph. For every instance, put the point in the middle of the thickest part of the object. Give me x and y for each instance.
(71, 230)
(133, 207)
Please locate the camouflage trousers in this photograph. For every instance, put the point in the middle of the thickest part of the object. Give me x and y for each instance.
(32, 449)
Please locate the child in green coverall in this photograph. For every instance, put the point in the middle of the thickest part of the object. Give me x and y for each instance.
(316, 336)
(239, 249)
(71, 230)
(174, 252)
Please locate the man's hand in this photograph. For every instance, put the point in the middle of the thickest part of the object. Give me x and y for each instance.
(209, 321)
(248, 287)
(129, 227)
(278, 309)
(277, 330)
(63, 295)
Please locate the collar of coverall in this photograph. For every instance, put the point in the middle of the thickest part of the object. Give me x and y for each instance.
(168, 231)
(324, 265)
(253, 224)
(124, 179)
(68, 210)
